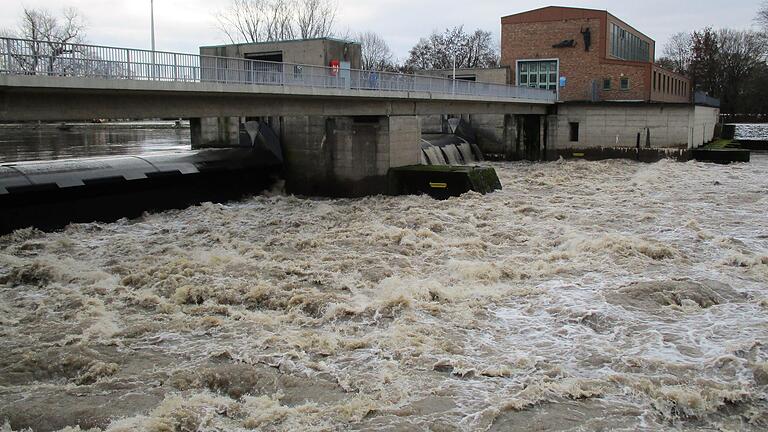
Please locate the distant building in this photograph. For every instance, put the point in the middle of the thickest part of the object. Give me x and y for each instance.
(326, 52)
(587, 55)
(497, 75)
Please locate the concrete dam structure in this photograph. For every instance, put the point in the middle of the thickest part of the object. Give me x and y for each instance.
(51, 194)
(341, 128)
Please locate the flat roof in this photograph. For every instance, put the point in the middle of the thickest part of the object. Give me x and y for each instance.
(558, 13)
(281, 42)
(556, 7)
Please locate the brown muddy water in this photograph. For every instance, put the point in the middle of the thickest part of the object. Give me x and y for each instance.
(584, 296)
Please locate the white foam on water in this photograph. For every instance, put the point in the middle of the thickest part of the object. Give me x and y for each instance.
(584, 296)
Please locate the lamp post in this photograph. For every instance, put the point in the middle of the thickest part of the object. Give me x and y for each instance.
(152, 23)
(454, 73)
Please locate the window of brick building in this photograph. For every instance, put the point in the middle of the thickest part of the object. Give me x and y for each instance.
(625, 83)
(574, 132)
(626, 45)
(606, 83)
(540, 74)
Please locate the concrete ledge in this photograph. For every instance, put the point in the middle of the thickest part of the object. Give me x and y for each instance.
(753, 144)
(48, 83)
(721, 156)
(442, 182)
(632, 153)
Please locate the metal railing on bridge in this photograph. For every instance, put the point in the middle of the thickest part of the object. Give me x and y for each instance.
(701, 98)
(51, 58)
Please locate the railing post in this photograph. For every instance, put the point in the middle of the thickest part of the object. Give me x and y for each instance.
(175, 68)
(128, 62)
(8, 54)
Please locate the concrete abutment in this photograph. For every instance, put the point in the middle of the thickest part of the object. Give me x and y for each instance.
(335, 156)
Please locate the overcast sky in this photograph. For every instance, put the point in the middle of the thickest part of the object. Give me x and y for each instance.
(183, 25)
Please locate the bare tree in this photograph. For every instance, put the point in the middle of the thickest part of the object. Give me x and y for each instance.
(315, 18)
(278, 21)
(376, 54)
(475, 50)
(46, 38)
(741, 53)
(270, 20)
(762, 16)
(678, 52)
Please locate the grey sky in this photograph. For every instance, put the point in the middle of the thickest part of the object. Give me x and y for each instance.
(183, 25)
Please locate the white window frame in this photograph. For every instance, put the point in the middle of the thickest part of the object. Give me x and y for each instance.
(557, 82)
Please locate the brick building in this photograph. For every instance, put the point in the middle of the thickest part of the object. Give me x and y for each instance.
(587, 55)
(610, 91)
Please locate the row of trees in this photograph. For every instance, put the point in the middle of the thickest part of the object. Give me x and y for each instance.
(437, 51)
(271, 20)
(48, 38)
(468, 50)
(727, 64)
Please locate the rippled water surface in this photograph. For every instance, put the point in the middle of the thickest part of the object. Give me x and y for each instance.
(584, 296)
(25, 143)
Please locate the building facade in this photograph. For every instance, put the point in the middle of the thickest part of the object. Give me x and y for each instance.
(610, 91)
(315, 52)
(587, 55)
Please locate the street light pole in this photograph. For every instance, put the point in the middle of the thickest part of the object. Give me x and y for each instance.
(152, 23)
(454, 73)
(152, 18)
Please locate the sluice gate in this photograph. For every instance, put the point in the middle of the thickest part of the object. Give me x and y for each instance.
(51, 194)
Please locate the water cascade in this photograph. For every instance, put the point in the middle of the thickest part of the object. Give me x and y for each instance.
(433, 155)
(444, 149)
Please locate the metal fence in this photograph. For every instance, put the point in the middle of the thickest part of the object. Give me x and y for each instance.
(32, 57)
(701, 98)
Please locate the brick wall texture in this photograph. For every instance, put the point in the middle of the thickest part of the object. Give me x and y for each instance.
(531, 36)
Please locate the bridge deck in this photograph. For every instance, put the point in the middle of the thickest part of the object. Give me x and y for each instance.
(35, 76)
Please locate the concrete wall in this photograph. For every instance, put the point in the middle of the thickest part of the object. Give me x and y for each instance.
(499, 75)
(617, 125)
(347, 156)
(316, 52)
(703, 123)
(494, 134)
(215, 132)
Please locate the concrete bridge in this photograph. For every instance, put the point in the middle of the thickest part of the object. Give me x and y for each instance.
(341, 129)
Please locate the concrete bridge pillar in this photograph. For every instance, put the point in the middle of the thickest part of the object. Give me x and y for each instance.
(347, 156)
(213, 132)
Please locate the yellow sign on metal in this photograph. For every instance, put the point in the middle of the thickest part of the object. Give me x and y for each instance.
(438, 185)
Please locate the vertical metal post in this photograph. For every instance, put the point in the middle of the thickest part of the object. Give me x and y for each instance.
(128, 62)
(175, 68)
(8, 54)
(152, 22)
(454, 74)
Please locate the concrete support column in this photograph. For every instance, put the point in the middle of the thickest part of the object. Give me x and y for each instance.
(520, 138)
(552, 137)
(215, 132)
(347, 156)
(510, 140)
(543, 137)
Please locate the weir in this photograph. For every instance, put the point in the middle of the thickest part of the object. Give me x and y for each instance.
(51, 194)
(341, 128)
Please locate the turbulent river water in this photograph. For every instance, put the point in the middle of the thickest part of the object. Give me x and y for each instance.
(584, 296)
